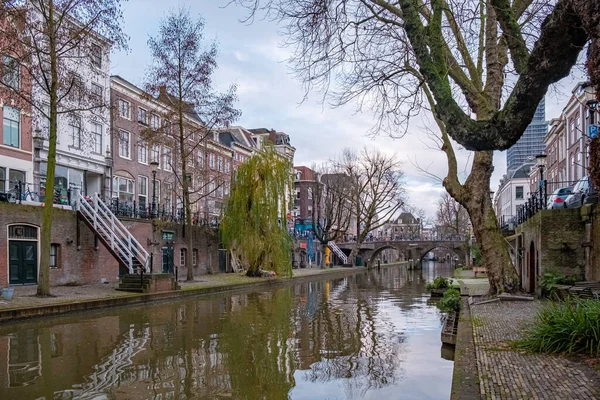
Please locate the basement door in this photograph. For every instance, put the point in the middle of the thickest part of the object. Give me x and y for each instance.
(22, 262)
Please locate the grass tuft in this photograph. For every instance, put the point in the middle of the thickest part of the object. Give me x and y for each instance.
(570, 327)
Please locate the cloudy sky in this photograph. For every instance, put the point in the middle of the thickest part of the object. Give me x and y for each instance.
(269, 97)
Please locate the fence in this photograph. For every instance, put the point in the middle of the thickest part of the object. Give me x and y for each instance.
(538, 200)
(28, 193)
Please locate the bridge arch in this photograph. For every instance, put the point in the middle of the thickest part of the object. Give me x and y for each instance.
(458, 251)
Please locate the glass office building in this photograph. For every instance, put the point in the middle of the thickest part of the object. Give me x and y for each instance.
(531, 143)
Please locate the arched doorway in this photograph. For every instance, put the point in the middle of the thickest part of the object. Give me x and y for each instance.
(22, 254)
(532, 262)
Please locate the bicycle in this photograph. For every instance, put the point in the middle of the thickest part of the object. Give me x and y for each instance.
(13, 194)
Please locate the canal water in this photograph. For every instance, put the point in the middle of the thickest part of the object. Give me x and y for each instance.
(374, 335)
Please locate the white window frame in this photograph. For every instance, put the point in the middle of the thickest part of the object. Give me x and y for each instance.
(167, 151)
(154, 121)
(220, 164)
(211, 160)
(96, 59)
(97, 137)
(142, 152)
(124, 105)
(121, 148)
(194, 257)
(142, 120)
(17, 121)
(142, 178)
(155, 154)
(74, 125)
(12, 71)
(182, 256)
(227, 166)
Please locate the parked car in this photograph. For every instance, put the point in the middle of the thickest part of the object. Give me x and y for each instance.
(583, 192)
(558, 197)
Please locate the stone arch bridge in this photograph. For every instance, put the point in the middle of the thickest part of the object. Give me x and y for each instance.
(411, 249)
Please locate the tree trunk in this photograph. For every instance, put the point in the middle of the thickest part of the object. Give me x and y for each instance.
(323, 252)
(43, 288)
(494, 249)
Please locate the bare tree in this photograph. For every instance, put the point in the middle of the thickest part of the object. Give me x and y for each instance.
(480, 67)
(51, 41)
(331, 206)
(376, 190)
(181, 76)
(451, 217)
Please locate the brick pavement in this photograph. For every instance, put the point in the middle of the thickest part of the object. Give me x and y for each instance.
(505, 373)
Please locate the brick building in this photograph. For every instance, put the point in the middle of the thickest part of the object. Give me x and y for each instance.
(16, 150)
(301, 213)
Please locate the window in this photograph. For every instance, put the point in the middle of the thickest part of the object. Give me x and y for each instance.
(96, 93)
(155, 156)
(54, 253)
(167, 126)
(75, 131)
(220, 164)
(220, 191)
(227, 166)
(195, 257)
(211, 161)
(167, 159)
(96, 55)
(2, 179)
(579, 157)
(142, 192)
(12, 120)
(211, 187)
(97, 137)
(124, 109)
(123, 188)
(226, 189)
(519, 193)
(142, 152)
(154, 121)
(168, 200)
(10, 72)
(124, 144)
(182, 256)
(142, 116)
(200, 159)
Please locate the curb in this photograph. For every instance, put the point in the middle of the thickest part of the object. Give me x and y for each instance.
(16, 314)
(465, 378)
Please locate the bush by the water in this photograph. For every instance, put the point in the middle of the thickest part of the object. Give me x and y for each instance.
(450, 301)
(439, 283)
(566, 327)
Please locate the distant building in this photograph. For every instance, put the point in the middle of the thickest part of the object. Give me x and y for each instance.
(406, 226)
(304, 181)
(531, 143)
(513, 191)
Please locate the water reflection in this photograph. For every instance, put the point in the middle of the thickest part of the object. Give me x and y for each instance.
(365, 336)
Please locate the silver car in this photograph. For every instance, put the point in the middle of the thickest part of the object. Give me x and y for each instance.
(558, 197)
(583, 192)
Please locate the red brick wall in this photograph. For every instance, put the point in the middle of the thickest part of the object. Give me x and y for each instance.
(85, 263)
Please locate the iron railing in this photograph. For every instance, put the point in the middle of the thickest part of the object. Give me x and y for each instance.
(17, 191)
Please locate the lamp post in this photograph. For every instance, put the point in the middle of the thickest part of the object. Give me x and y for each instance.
(154, 167)
(540, 160)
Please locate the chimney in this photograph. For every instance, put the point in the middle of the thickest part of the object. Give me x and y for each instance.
(162, 90)
(227, 124)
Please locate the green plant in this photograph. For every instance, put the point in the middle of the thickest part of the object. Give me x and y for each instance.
(565, 327)
(549, 280)
(439, 283)
(450, 301)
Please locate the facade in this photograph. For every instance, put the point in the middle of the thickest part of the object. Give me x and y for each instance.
(531, 143)
(576, 117)
(83, 157)
(406, 226)
(304, 181)
(556, 155)
(16, 147)
(512, 192)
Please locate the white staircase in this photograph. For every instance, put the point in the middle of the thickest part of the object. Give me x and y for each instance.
(338, 252)
(113, 233)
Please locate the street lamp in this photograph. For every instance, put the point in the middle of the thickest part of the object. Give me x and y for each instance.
(153, 167)
(540, 160)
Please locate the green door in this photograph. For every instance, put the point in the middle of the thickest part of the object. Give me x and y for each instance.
(22, 262)
(167, 260)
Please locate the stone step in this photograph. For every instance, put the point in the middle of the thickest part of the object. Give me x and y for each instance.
(133, 290)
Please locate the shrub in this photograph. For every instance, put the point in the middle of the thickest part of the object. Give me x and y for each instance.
(450, 301)
(566, 327)
(549, 280)
(439, 283)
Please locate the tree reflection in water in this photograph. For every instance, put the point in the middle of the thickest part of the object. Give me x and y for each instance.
(357, 333)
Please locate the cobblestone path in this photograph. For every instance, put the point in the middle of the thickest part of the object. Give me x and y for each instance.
(505, 373)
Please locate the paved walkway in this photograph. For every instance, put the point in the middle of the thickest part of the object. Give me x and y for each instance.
(505, 373)
(24, 296)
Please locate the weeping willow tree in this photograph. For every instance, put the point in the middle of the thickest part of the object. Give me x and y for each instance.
(253, 226)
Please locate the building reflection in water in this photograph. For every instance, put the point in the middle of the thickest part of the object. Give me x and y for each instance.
(363, 333)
